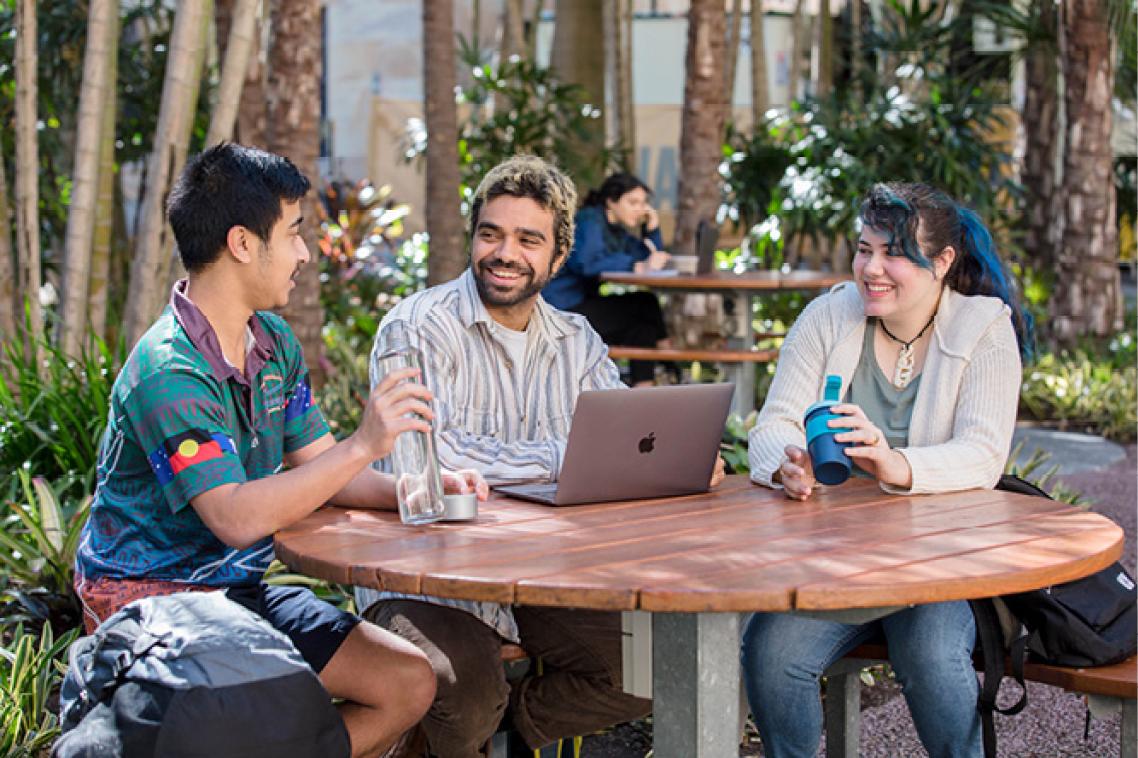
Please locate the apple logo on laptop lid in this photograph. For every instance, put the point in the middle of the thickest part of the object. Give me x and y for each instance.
(647, 444)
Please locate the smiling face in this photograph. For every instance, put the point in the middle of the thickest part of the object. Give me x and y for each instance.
(629, 209)
(280, 259)
(513, 257)
(893, 287)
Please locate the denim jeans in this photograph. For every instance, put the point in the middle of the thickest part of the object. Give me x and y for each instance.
(930, 649)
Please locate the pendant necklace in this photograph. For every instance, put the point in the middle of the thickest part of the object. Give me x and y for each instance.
(903, 371)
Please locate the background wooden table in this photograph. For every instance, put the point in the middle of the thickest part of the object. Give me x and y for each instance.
(695, 562)
(742, 288)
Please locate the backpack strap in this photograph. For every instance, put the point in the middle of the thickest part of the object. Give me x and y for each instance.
(990, 636)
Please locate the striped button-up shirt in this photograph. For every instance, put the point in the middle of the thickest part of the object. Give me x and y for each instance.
(508, 421)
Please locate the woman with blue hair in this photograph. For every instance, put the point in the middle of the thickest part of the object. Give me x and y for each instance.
(927, 340)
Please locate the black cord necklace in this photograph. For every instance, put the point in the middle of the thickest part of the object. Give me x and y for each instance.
(903, 371)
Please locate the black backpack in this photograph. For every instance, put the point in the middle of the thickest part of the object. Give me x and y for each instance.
(1087, 622)
(193, 675)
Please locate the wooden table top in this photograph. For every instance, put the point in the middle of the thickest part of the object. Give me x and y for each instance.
(726, 280)
(738, 548)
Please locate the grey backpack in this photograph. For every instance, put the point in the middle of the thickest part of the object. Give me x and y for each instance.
(193, 674)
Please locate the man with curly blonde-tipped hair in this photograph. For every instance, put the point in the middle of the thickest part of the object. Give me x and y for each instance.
(506, 368)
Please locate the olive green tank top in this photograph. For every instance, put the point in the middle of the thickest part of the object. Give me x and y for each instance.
(886, 406)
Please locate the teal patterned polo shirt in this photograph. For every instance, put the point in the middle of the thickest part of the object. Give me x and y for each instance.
(182, 421)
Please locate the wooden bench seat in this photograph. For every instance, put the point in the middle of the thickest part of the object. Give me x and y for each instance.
(689, 355)
(1109, 688)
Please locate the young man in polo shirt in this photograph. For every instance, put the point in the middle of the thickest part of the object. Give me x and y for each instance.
(212, 404)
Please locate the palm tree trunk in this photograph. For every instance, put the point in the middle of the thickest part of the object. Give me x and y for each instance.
(821, 62)
(96, 92)
(148, 273)
(731, 61)
(9, 304)
(578, 57)
(760, 96)
(531, 35)
(444, 223)
(252, 115)
(27, 172)
(795, 51)
(103, 240)
(1041, 127)
(293, 118)
(1087, 298)
(513, 30)
(618, 82)
(701, 127)
(238, 48)
(625, 108)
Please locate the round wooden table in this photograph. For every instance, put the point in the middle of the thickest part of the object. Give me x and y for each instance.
(696, 562)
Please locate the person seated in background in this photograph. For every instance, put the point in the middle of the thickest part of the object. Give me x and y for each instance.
(617, 230)
(927, 340)
(212, 403)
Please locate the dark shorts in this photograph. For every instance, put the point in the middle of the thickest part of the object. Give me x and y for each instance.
(316, 628)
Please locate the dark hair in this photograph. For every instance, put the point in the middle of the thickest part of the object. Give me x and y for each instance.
(614, 188)
(531, 177)
(225, 186)
(918, 217)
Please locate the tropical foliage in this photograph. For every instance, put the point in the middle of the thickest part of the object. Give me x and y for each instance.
(520, 107)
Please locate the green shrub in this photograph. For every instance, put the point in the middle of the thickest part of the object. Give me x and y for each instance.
(31, 668)
(1078, 390)
(52, 420)
(39, 534)
(520, 107)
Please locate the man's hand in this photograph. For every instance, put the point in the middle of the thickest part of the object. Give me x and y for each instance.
(796, 474)
(720, 472)
(396, 405)
(466, 480)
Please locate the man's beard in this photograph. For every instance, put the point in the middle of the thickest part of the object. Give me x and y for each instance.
(531, 284)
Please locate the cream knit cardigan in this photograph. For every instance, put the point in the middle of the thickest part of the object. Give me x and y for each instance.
(965, 409)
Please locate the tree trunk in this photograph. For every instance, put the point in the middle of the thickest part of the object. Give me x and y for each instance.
(821, 61)
(238, 49)
(625, 102)
(148, 274)
(295, 69)
(618, 82)
(27, 171)
(9, 303)
(760, 97)
(103, 240)
(578, 57)
(513, 30)
(95, 94)
(1087, 298)
(252, 115)
(531, 34)
(701, 128)
(796, 51)
(1041, 131)
(444, 223)
(855, 42)
(734, 32)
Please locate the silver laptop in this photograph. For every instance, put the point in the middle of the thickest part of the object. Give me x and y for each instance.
(628, 444)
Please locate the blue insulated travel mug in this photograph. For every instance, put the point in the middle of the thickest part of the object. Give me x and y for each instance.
(828, 457)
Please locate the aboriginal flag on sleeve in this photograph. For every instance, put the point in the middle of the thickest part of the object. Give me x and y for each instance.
(189, 448)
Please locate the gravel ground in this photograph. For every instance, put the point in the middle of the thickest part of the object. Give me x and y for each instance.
(1051, 725)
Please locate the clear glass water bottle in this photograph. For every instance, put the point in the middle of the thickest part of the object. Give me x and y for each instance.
(414, 463)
